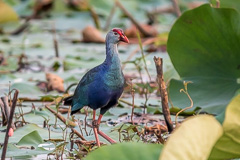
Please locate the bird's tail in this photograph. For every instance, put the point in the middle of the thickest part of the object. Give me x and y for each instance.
(68, 101)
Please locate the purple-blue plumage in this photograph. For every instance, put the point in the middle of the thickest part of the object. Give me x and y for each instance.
(102, 86)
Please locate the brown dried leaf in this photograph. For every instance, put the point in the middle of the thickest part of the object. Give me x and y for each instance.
(132, 31)
(157, 128)
(92, 35)
(54, 82)
(42, 6)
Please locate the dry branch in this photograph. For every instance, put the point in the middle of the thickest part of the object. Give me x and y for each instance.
(109, 19)
(5, 111)
(176, 8)
(4, 115)
(22, 28)
(164, 95)
(55, 42)
(66, 122)
(147, 42)
(95, 17)
(168, 9)
(9, 124)
(133, 94)
(141, 29)
(78, 134)
(128, 103)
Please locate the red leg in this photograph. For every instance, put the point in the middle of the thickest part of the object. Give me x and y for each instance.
(103, 134)
(99, 119)
(95, 129)
(106, 137)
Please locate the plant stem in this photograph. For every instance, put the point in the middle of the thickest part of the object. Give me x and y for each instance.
(147, 42)
(109, 19)
(191, 105)
(9, 125)
(163, 92)
(130, 104)
(176, 8)
(132, 92)
(66, 122)
(95, 17)
(143, 57)
(141, 29)
(55, 42)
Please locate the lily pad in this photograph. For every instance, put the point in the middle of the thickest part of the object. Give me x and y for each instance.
(13, 151)
(26, 88)
(31, 139)
(204, 48)
(126, 151)
(25, 130)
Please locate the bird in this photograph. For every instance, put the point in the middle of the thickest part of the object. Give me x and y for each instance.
(102, 86)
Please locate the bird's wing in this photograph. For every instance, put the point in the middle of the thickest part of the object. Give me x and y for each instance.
(80, 97)
(89, 77)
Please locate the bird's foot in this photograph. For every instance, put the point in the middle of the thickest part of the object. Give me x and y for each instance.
(95, 124)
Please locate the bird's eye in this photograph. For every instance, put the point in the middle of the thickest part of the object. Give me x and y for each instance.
(115, 33)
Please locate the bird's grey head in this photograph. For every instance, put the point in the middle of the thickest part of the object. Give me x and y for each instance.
(116, 35)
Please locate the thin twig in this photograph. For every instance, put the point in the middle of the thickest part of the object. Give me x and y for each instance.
(64, 120)
(6, 106)
(85, 121)
(191, 101)
(5, 110)
(176, 8)
(109, 19)
(161, 10)
(132, 93)
(21, 113)
(147, 42)
(26, 99)
(141, 29)
(78, 134)
(69, 87)
(95, 17)
(79, 125)
(217, 4)
(22, 28)
(9, 124)
(143, 57)
(55, 42)
(163, 92)
(128, 103)
(4, 116)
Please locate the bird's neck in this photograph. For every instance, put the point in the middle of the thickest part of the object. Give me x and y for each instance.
(112, 55)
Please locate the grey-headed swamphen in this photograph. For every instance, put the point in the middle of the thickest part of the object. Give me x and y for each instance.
(102, 86)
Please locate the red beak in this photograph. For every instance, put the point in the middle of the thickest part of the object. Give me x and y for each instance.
(124, 39)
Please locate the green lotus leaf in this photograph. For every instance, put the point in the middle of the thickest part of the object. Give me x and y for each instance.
(126, 151)
(204, 48)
